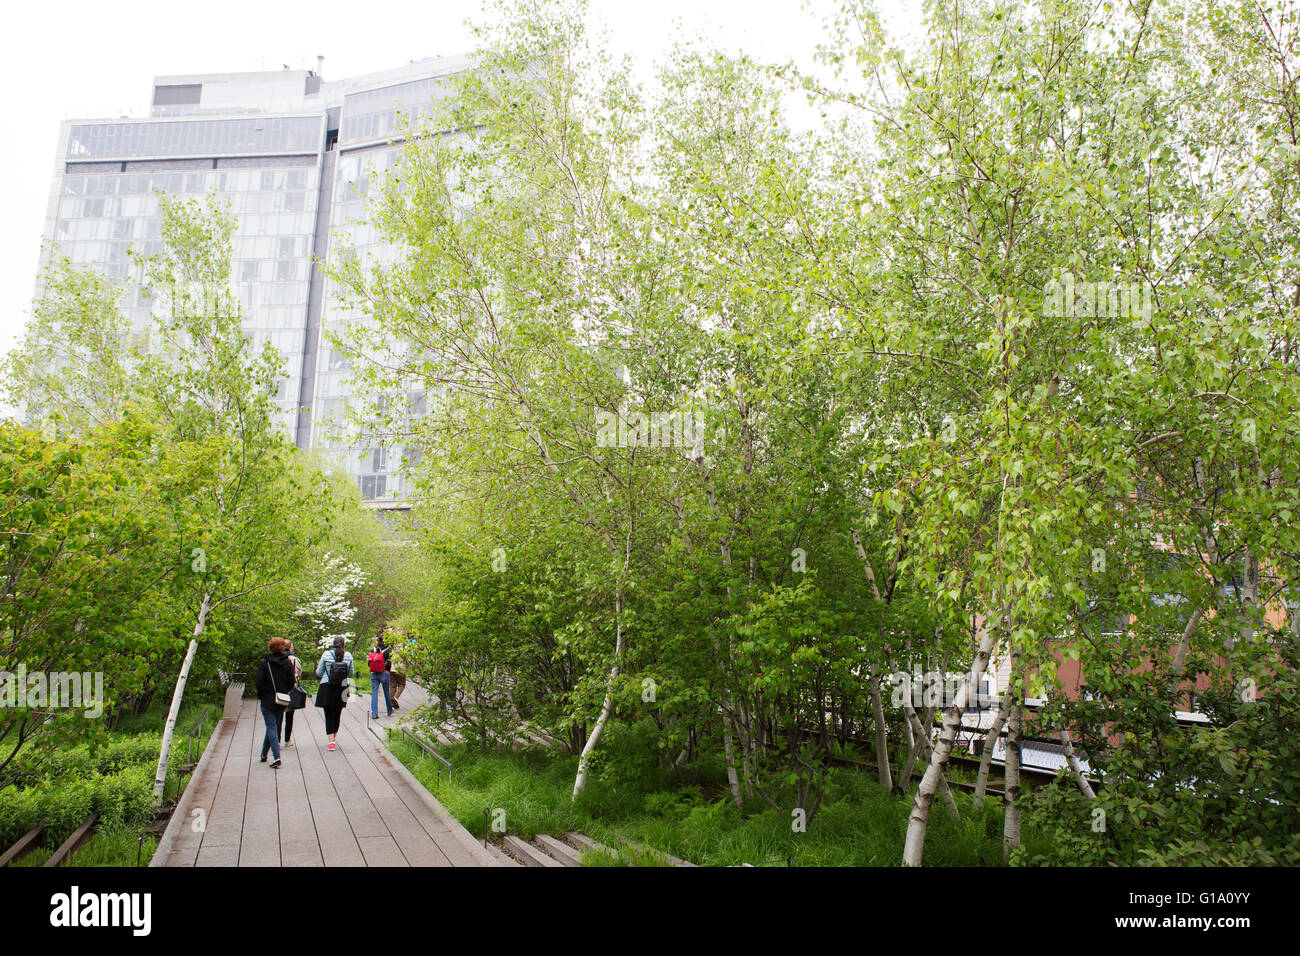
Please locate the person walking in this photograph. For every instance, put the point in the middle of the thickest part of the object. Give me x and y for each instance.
(335, 671)
(380, 661)
(288, 714)
(397, 680)
(274, 681)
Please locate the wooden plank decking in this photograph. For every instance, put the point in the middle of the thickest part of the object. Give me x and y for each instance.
(356, 806)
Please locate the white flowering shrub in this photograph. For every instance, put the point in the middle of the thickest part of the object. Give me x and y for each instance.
(328, 613)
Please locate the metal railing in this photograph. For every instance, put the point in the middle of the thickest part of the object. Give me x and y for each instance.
(194, 735)
(430, 751)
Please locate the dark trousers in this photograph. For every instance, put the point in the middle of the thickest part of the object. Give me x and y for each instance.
(332, 715)
(288, 724)
(273, 716)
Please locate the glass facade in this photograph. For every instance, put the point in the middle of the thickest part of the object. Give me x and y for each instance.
(373, 115)
(268, 167)
(101, 216)
(197, 137)
(371, 457)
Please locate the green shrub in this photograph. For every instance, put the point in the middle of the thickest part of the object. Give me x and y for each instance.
(1223, 794)
(112, 777)
(860, 823)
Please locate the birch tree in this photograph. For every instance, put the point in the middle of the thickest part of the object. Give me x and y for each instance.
(242, 512)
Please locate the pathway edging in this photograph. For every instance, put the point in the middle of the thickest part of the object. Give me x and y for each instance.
(181, 813)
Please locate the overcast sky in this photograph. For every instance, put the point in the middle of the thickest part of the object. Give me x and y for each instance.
(85, 59)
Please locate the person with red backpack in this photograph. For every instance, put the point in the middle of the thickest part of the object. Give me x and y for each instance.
(381, 662)
(336, 673)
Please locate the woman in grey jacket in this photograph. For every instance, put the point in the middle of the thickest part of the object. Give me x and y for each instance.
(336, 673)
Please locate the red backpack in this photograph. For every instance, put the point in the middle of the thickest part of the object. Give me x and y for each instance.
(376, 661)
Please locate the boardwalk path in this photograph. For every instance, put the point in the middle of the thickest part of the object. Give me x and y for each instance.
(356, 806)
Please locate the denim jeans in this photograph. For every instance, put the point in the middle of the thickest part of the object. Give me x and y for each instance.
(375, 681)
(273, 717)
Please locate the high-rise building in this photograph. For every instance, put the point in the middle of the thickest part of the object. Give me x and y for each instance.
(296, 156)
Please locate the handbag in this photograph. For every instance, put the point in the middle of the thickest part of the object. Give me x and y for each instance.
(328, 695)
(283, 699)
(297, 695)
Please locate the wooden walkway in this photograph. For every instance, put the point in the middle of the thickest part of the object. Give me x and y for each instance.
(356, 806)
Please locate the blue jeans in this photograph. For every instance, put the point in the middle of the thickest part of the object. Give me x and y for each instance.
(375, 681)
(273, 717)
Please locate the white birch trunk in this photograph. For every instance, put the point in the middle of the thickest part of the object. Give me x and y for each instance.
(905, 777)
(169, 728)
(1011, 794)
(728, 749)
(923, 743)
(1076, 768)
(990, 741)
(1250, 593)
(681, 758)
(882, 744)
(934, 778)
(580, 782)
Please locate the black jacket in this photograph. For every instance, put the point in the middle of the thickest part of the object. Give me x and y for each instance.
(282, 667)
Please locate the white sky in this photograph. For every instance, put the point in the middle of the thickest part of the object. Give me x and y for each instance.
(91, 59)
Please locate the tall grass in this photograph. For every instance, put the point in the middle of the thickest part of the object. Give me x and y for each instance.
(112, 845)
(859, 823)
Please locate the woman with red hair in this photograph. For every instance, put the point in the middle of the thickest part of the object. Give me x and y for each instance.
(274, 682)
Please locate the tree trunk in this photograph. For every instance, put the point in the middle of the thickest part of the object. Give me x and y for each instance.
(729, 751)
(745, 740)
(580, 782)
(1250, 593)
(1076, 768)
(1180, 653)
(169, 728)
(923, 744)
(934, 777)
(909, 738)
(728, 745)
(913, 755)
(990, 741)
(882, 744)
(1011, 794)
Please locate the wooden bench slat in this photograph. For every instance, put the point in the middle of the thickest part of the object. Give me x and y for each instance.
(26, 843)
(73, 843)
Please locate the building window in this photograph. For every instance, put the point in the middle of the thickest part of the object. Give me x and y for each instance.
(179, 94)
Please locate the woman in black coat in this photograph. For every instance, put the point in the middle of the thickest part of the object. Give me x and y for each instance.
(274, 676)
